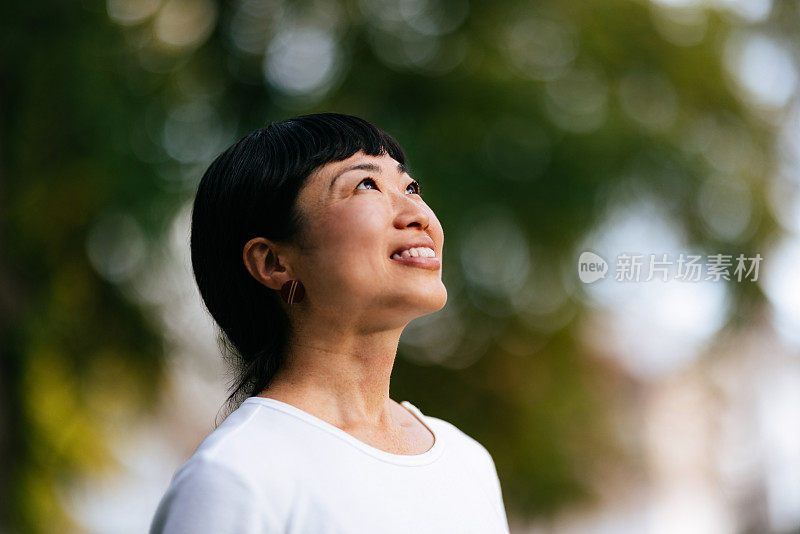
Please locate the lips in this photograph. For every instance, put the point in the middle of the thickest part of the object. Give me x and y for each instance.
(419, 261)
(422, 242)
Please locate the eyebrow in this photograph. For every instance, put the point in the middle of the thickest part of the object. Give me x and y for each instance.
(366, 167)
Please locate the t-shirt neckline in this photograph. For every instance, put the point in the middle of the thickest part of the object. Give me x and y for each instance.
(400, 459)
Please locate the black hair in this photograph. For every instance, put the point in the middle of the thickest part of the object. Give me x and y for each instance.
(250, 190)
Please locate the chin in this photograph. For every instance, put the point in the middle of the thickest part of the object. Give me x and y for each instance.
(433, 301)
(426, 299)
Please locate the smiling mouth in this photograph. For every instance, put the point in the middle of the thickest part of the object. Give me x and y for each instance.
(415, 252)
(425, 262)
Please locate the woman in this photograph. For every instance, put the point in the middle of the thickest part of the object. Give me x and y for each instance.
(313, 249)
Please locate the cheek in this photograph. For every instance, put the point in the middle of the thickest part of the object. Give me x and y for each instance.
(437, 234)
(436, 229)
(350, 234)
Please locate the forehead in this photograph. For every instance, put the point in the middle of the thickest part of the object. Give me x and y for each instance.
(331, 170)
(323, 178)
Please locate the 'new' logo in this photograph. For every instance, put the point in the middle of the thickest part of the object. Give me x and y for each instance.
(591, 267)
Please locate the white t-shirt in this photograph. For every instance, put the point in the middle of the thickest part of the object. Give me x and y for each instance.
(271, 467)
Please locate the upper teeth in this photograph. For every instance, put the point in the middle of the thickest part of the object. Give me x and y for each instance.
(425, 252)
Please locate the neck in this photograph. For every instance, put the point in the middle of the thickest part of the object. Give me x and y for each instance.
(339, 376)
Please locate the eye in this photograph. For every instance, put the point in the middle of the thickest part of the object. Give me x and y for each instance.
(365, 180)
(415, 185)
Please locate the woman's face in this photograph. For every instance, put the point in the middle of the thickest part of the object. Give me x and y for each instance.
(358, 213)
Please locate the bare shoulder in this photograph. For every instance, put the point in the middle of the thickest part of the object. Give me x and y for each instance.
(459, 438)
(418, 436)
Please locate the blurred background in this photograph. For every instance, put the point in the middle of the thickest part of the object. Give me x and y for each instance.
(538, 130)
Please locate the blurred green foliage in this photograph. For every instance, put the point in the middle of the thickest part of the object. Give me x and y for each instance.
(506, 104)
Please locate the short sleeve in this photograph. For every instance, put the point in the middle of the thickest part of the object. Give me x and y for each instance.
(498, 492)
(491, 480)
(207, 497)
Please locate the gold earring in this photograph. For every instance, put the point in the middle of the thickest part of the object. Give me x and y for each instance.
(293, 291)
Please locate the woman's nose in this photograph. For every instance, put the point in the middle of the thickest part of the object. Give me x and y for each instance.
(409, 212)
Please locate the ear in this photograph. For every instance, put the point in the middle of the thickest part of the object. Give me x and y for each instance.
(261, 260)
